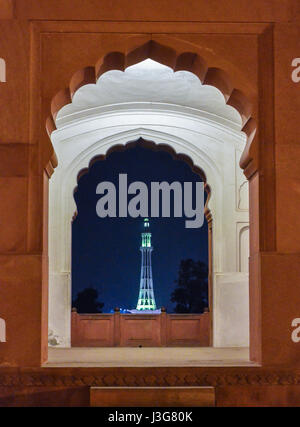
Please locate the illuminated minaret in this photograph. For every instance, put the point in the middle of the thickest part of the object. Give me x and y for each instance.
(146, 299)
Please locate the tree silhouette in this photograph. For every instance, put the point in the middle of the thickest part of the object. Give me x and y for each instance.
(191, 293)
(87, 301)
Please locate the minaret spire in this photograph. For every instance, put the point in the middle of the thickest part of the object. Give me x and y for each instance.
(146, 299)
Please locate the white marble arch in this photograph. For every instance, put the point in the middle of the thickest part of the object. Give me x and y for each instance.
(210, 144)
(150, 101)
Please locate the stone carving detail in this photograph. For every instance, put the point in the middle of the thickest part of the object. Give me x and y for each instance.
(40, 379)
(53, 340)
(152, 49)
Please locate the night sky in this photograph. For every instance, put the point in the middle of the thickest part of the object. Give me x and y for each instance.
(105, 252)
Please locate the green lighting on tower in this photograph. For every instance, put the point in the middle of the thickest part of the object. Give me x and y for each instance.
(146, 300)
(146, 237)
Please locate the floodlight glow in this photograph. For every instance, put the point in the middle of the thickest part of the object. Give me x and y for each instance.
(146, 300)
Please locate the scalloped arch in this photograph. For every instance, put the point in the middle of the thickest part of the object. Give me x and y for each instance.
(187, 61)
(155, 147)
(146, 144)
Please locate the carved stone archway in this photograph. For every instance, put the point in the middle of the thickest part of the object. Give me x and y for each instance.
(188, 61)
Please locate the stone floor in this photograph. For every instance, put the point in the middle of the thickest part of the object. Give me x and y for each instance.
(135, 357)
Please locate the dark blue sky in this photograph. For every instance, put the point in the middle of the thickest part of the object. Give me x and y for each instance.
(105, 252)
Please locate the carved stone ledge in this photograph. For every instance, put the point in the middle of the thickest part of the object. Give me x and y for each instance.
(38, 379)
